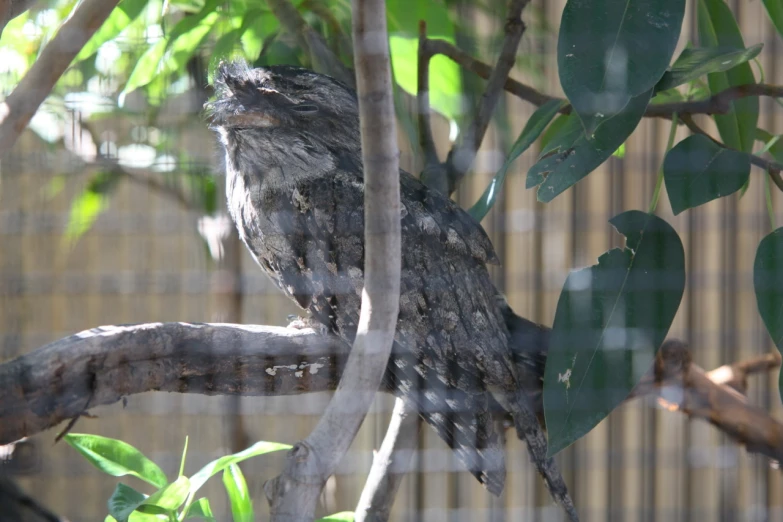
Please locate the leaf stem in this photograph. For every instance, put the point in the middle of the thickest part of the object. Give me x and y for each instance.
(768, 197)
(659, 181)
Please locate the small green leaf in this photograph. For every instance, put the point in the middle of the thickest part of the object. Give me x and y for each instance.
(620, 152)
(610, 51)
(554, 129)
(87, 206)
(611, 319)
(533, 129)
(573, 156)
(201, 509)
(256, 27)
(768, 283)
(694, 63)
(124, 501)
(718, 28)
(117, 458)
(776, 148)
(238, 495)
(172, 496)
(775, 12)
(343, 516)
(216, 466)
(698, 170)
(122, 16)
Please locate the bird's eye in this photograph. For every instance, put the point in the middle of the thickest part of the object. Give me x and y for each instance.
(305, 108)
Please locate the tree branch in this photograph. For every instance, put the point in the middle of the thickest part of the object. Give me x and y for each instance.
(680, 385)
(719, 103)
(322, 58)
(293, 495)
(54, 383)
(20, 106)
(463, 153)
(390, 464)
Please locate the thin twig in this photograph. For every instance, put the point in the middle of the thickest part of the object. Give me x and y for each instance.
(719, 103)
(463, 153)
(294, 493)
(426, 140)
(20, 106)
(390, 464)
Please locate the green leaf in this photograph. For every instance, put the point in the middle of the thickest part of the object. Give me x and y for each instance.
(87, 206)
(169, 54)
(776, 149)
(117, 458)
(170, 497)
(610, 51)
(445, 79)
(124, 501)
(533, 129)
(717, 28)
(698, 170)
(238, 495)
(768, 283)
(694, 63)
(573, 156)
(620, 152)
(201, 509)
(553, 130)
(775, 12)
(343, 516)
(257, 26)
(216, 466)
(122, 16)
(610, 321)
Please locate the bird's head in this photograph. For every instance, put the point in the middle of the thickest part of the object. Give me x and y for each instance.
(283, 102)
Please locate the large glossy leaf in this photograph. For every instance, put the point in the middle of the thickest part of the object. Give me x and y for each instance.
(238, 495)
(698, 170)
(444, 75)
(218, 465)
(775, 12)
(717, 27)
(117, 458)
(694, 63)
(572, 156)
(768, 283)
(610, 51)
(122, 15)
(530, 133)
(611, 319)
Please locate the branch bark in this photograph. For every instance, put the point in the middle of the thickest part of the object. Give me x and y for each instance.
(101, 366)
(19, 107)
(293, 495)
(390, 464)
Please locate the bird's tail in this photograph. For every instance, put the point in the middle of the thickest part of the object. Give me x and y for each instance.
(463, 420)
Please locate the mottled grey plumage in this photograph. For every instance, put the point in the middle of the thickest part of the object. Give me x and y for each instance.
(295, 190)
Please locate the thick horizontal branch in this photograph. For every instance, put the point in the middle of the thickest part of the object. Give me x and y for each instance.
(100, 366)
(719, 103)
(64, 379)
